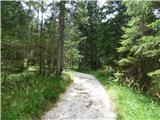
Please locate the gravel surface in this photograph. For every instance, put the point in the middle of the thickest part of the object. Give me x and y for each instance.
(86, 99)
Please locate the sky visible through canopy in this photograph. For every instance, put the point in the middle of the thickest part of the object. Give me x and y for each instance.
(47, 13)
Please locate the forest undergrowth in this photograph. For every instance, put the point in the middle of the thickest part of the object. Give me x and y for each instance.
(25, 96)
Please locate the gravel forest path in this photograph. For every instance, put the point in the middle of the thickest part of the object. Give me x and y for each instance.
(85, 99)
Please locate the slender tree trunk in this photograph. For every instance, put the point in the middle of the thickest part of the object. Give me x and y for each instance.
(91, 57)
(38, 42)
(60, 46)
(49, 64)
(43, 43)
(95, 58)
(28, 41)
(41, 63)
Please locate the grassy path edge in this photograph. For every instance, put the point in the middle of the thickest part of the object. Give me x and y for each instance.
(129, 104)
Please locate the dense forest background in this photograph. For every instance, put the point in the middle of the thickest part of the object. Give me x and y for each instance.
(121, 37)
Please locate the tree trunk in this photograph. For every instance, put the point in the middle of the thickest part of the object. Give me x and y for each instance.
(42, 44)
(28, 41)
(60, 46)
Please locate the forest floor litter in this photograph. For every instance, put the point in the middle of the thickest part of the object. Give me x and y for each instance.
(85, 99)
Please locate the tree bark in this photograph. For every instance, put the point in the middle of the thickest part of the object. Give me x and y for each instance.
(60, 46)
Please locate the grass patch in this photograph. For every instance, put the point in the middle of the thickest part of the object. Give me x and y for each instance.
(130, 104)
(26, 96)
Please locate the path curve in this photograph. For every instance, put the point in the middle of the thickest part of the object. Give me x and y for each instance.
(86, 99)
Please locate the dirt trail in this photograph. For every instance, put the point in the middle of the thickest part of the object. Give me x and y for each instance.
(86, 99)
